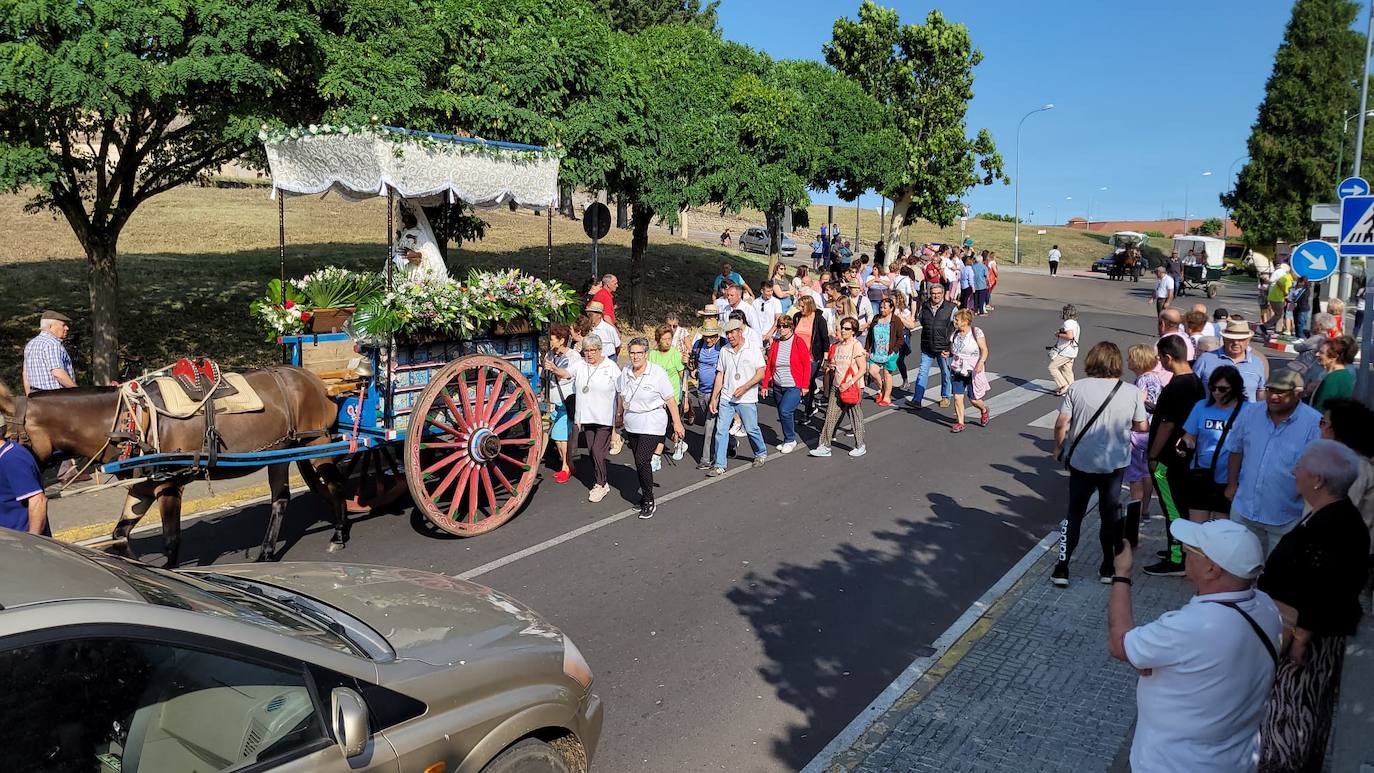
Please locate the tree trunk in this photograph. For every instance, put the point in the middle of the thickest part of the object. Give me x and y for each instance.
(895, 222)
(104, 285)
(773, 219)
(622, 213)
(639, 240)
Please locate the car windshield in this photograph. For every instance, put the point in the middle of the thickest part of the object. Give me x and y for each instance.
(181, 591)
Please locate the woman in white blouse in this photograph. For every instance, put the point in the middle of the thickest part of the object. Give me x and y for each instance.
(647, 400)
(594, 381)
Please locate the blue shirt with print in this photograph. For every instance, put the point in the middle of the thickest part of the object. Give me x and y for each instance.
(1267, 491)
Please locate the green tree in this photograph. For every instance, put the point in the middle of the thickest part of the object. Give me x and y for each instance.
(639, 15)
(1296, 137)
(1209, 227)
(922, 74)
(792, 140)
(105, 104)
(659, 132)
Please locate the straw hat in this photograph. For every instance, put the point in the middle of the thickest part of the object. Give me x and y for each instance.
(711, 327)
(733, 324)
(595, 306)
(1238, 330)
(709, 310)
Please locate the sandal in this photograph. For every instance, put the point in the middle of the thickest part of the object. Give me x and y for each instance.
(983, 419)
(957, 428)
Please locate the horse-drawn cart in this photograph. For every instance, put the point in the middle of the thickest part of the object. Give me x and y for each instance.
(451, 414)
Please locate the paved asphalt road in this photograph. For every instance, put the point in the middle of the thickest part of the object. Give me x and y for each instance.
(755, 615)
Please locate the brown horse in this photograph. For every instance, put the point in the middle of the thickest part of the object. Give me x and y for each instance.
(296, 412)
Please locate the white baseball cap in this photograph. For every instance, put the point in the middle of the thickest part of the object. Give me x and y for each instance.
(1228, 544)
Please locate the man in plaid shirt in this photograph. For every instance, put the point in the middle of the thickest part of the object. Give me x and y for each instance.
(46, 362)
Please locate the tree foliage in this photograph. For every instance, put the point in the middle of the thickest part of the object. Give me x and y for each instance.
(1209, 227)
(638, 15)
(1297, 134)
(105, 104)
(922, 74)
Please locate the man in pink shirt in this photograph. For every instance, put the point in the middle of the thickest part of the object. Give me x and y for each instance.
(1171, 324)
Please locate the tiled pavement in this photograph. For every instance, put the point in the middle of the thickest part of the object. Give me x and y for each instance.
(1029, 688)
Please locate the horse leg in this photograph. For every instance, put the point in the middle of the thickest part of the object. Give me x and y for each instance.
(278, 483)
(169, 504)
(136, 504)
(328, 471)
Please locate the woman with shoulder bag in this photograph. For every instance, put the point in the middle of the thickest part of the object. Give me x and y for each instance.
(968, 361)
(845, 364)
(562, 400)
(1204, 439)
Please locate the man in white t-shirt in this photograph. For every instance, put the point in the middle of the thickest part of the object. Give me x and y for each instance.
(1206, 669)
(768, 308)
(1164, 290)
(610, 337)
(734, 300)
(1053, 259)
(738, 375)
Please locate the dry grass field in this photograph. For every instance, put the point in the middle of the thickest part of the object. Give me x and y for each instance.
(193, 259)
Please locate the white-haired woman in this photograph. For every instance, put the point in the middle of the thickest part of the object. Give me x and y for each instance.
(1315, 574)
(594, 383)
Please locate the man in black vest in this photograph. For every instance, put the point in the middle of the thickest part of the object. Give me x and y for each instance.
(937, 331)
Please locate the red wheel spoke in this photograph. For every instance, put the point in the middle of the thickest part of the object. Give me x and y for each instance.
(525, 414)
(435, 493)
(516, 462)
(480, 398)
(487, 415)
(500, 413)
(468, 409)
(522, 441)
(458, 492)
(491, 493)
(458, 416)
(504, 482)
(444, 427)
(437, 446)
(444, 461)
(472, 498)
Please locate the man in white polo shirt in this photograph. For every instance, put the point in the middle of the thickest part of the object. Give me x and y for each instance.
(1205, 669)
(736, 393)
(1164, 290)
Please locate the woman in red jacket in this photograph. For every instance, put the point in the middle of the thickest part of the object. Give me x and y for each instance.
(787, 373)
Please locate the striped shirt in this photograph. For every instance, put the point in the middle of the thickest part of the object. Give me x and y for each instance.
(43, 353)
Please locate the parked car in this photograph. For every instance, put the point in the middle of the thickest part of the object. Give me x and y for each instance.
(1105, 264)
(113, 666)
(756, 240)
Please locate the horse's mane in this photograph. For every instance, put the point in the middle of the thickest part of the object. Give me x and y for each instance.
(6, 400)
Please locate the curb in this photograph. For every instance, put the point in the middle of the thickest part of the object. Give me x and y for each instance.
(190, 510)
(866, 731)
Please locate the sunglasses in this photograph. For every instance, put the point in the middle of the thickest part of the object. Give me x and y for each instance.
(850, 329)
(1222, 388)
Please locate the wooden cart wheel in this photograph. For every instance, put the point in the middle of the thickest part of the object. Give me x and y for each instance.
(373, 476)
(473, 446)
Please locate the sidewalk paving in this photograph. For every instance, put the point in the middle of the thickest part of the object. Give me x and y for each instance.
(1032, 688)
(1035, 690)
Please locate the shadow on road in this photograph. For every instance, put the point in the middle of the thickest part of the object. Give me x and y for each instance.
(818, 623)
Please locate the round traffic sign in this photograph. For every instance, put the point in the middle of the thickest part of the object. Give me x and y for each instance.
(1315, 259)
(1352, 186)
(596, 220)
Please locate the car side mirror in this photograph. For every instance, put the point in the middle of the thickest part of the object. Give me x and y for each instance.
(349, 714)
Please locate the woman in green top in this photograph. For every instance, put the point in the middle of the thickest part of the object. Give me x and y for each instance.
(1334, 355)
(670, 359)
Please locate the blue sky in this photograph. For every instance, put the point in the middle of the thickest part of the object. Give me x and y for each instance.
(1147, 95)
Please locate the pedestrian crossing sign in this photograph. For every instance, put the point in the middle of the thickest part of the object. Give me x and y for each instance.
(1357, 225)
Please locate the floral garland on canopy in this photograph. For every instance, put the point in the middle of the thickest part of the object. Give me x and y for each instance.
(442, 308)
(472, 146)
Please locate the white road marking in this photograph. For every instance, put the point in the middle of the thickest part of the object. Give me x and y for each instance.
(1047, 421)
(1010, 400)
(921, 665)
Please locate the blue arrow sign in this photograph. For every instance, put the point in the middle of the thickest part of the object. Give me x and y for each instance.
(1357, 226)
(1315, 260)
(1352, 186)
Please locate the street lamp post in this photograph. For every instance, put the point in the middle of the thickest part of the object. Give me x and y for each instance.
(1055, 208)
(1090, 206)
(1186, 181)
(1345, 131)
(1016, 215)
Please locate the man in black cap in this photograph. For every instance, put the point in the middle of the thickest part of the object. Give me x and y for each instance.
(46, 362)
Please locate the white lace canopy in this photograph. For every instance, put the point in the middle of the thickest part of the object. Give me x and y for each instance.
(422, 167)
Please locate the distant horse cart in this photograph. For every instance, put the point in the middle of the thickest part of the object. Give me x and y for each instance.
(451, 419)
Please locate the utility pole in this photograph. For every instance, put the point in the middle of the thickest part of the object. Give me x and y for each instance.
(1016, 207)
(1363, 388)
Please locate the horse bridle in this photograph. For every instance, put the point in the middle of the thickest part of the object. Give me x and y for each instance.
(14, 425)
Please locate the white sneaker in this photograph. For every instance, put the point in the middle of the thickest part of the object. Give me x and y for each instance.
(598, 493)
(788, 447)
(820, 451)
(860, 451)
(737, 430)
(657, 463)
(679, 450)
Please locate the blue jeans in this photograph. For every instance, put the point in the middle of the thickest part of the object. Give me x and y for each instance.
(924, 373)
(788, 399)
(749, 417)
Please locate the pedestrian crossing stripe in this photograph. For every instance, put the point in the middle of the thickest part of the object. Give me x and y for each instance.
(1357, 225)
